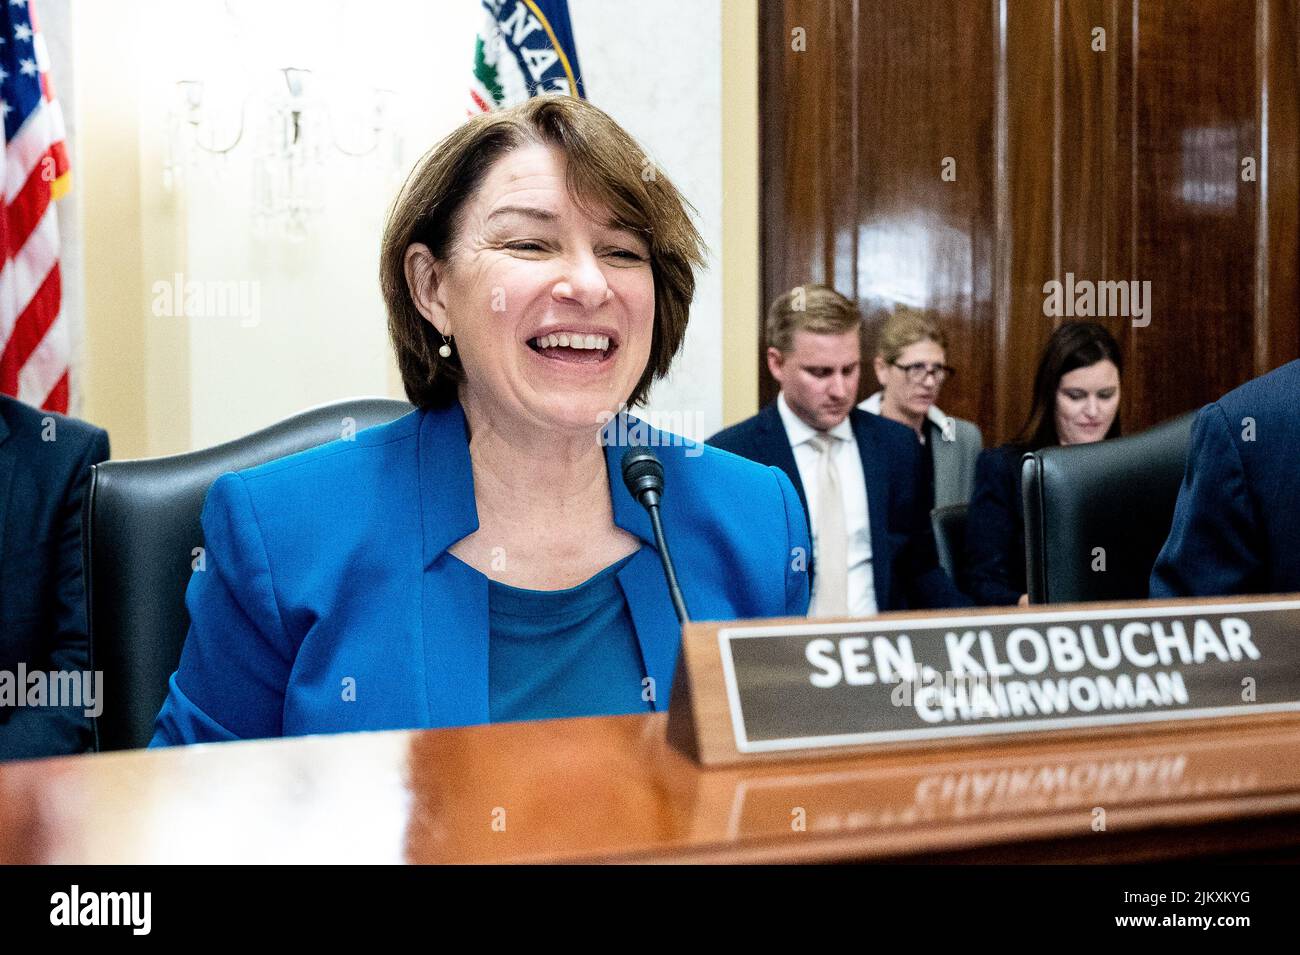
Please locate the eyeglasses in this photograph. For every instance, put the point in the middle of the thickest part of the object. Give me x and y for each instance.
(919, 371)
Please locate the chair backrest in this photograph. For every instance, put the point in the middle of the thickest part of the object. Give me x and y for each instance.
(1096, 515)
(142, 527)
(949, 524)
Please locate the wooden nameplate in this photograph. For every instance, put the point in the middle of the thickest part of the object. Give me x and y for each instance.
(798, 687)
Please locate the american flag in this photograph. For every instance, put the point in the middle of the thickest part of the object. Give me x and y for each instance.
(35, 346)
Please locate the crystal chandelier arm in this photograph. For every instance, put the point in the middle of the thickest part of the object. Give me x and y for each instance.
(239, 135)
(357, 154)
(377, 130)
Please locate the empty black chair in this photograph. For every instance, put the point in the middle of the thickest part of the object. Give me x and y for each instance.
(141, 533)
(949, 525)
(1096, 515)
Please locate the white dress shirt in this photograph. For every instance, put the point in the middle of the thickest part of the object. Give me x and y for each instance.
(862, 586)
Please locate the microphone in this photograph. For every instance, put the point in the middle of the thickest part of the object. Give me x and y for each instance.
(643, 473)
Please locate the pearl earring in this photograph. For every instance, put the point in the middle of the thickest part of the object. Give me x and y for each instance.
(445, 350)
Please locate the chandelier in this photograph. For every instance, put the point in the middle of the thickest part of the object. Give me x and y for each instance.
(293, 133)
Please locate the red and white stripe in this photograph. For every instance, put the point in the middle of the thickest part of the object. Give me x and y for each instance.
(35, 347)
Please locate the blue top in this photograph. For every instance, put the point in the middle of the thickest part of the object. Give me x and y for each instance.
(557, 653)
(330, 601)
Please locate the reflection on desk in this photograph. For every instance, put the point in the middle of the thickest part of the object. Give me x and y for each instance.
(610, 789)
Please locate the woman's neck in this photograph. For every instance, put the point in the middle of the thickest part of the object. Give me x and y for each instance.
(545, 513)
(894, 413)
(532, 473)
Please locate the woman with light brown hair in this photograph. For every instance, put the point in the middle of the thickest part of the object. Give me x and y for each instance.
(481, 559)
(911, 365)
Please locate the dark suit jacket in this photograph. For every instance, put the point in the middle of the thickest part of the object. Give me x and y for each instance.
(995, 530)
(1236, 527)
(905, 566)
(42, 597)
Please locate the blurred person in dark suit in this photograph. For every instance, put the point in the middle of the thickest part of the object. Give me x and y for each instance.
(1236, 527)
(45, 461)
(863, 480)
(1076, 401)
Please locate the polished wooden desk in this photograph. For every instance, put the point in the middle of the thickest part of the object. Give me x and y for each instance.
(610, 789)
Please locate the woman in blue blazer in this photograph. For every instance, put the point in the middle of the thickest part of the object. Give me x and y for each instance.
(480, 559)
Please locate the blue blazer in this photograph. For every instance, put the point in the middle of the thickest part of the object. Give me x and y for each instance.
(905, 565)
(994, 565)
(42, 597)
(1236, 526)
(330, 603)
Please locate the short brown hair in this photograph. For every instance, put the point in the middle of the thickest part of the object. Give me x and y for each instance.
(604, 165)
(809, 308)
(907, 326)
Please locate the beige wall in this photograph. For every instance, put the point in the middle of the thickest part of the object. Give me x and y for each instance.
(114, 369)
(135, 374)
(139, 369)
(741, 288)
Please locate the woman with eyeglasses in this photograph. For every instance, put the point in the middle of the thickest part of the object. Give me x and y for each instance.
(1076, 401)
(911, 366)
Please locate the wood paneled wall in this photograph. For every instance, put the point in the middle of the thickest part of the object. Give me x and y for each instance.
(1122, 163)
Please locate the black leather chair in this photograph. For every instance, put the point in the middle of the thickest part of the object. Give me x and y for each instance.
(1115, 495)
(949, 525)
(142, 526)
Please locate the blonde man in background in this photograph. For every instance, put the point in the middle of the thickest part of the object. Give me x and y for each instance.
(860, 478)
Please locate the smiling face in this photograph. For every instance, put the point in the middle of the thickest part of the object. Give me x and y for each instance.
(1087, 400)
(550, 305)
(818, 376)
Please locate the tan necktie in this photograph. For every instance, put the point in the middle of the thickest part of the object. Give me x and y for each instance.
(831, 589)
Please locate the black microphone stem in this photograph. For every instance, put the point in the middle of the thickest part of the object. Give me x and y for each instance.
(643, 475)
(674, 591)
